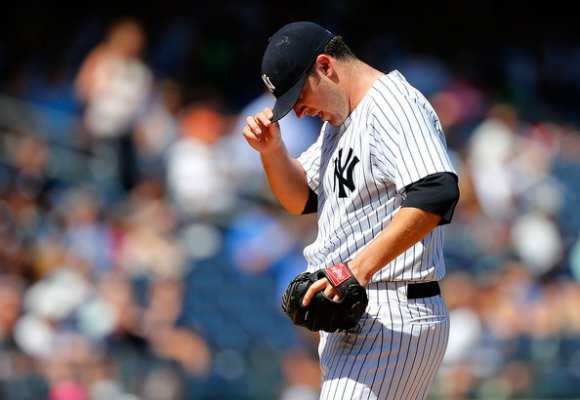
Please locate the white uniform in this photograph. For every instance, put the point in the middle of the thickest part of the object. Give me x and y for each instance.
(359, 172)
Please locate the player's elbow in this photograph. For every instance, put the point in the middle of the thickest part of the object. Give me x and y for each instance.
(304, 202)
(292, 210)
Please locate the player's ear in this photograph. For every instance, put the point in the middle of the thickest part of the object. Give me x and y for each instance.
(324, 64)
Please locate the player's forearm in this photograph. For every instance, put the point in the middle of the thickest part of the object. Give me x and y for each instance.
(409, 226)
(287, 179)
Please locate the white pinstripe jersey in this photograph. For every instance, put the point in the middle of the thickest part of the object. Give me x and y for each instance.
(359, 171)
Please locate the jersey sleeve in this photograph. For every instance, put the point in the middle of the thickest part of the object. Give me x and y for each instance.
(407, 137)
(310, 160)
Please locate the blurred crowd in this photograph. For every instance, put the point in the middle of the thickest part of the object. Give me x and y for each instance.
(143, 257)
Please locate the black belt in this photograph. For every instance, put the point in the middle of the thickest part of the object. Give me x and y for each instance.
(422, 289)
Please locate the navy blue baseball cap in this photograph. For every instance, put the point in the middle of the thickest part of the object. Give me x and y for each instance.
(290, 54)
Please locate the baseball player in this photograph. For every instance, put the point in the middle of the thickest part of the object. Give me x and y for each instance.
(382, 185)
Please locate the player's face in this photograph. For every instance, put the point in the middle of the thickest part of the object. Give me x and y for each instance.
(322, 98)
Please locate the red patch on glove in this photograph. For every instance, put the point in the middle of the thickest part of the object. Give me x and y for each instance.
(338, 273)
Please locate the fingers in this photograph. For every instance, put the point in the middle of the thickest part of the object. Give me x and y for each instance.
(261, 119)
(320, 285)
(269, 114)
(331, 292)
(252, 128)
(258, 128)
(313, 289)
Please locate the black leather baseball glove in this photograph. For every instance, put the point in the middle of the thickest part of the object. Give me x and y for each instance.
(323, 313)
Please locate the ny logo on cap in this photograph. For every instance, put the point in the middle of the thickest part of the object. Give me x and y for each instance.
(268, 83)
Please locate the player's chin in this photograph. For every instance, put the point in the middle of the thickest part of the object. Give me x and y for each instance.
(334, 121)
(326, 117)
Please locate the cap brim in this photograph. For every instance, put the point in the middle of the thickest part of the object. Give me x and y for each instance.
(286, 102)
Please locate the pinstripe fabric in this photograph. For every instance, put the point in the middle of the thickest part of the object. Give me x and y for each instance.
(398, 139)
(359, 172)
(396, 353)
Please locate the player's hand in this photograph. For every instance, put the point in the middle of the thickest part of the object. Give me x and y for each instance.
(261, 133)
(324, 285)
(320, 285)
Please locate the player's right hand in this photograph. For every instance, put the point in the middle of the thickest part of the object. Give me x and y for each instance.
(261, 133)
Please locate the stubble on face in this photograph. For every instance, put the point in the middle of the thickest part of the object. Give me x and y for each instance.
(322, 98)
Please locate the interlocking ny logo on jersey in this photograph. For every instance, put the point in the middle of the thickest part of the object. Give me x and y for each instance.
(343, 172)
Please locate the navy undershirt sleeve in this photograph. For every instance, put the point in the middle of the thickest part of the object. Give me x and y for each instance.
(437, 193)
(311, 204)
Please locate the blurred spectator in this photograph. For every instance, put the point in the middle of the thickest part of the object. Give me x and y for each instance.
(12, 288)
(537, 242)
(157, 128)
(113, 83)
(492, 147)
(148, 247)
(28, 171)
(302, 376)
(86, 236)
(199, 169)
